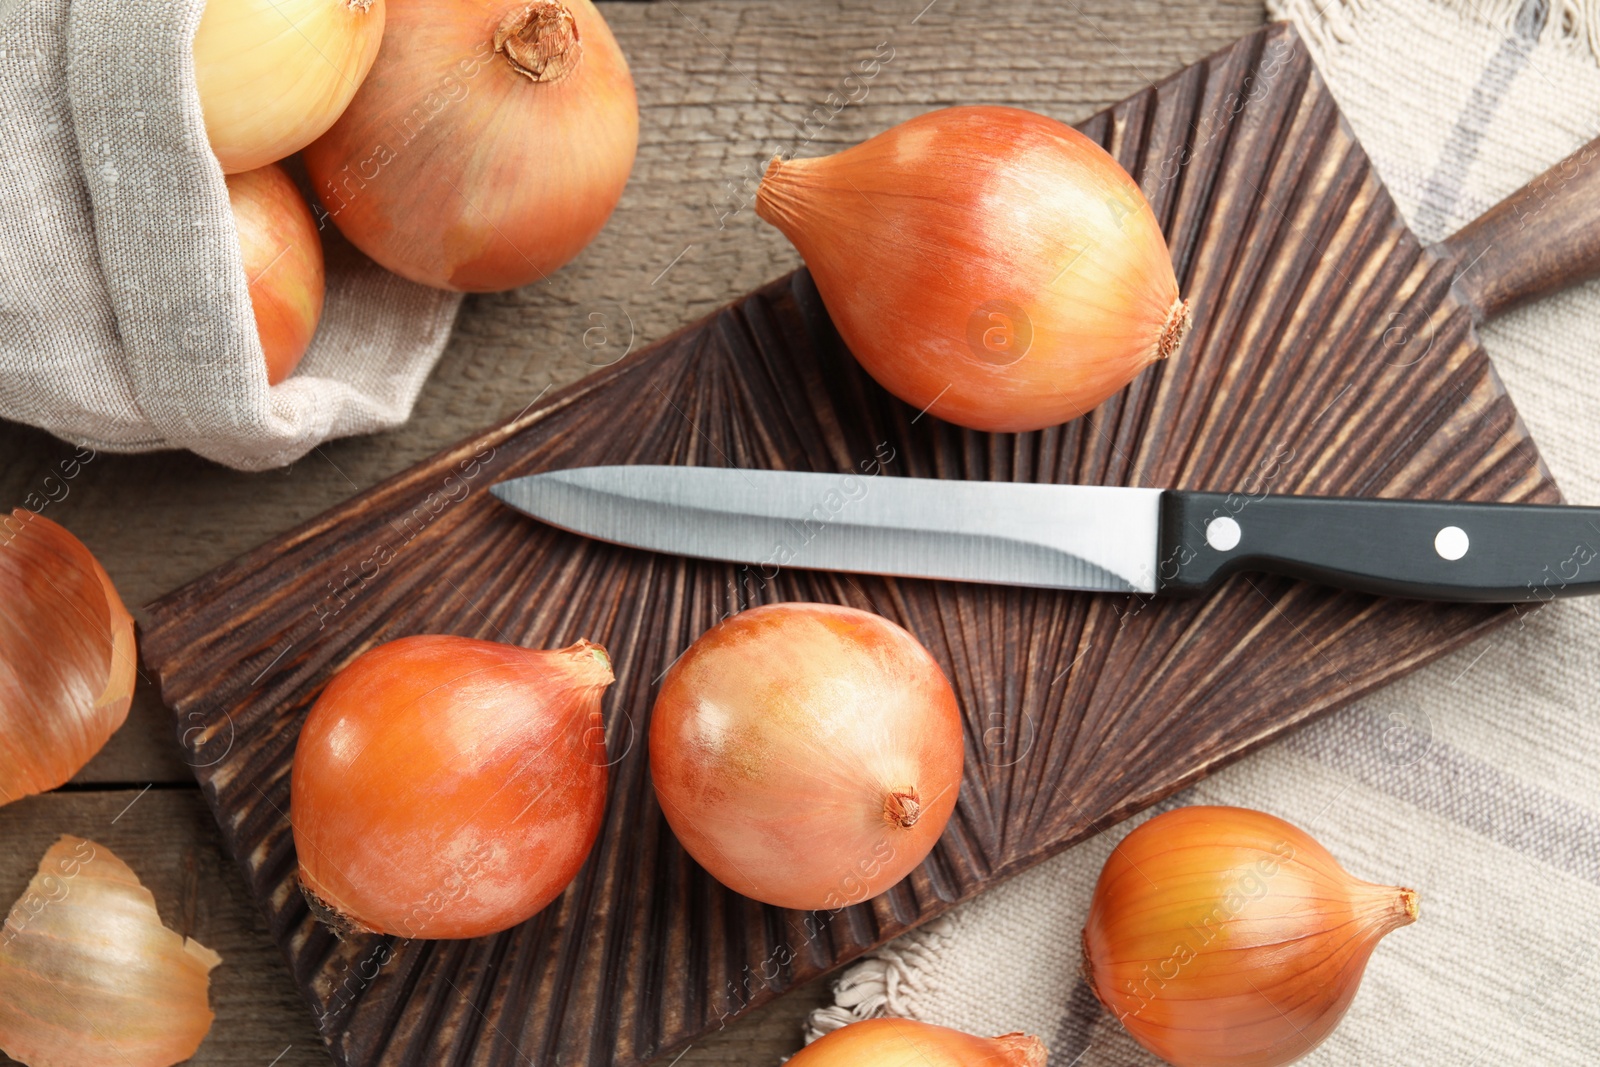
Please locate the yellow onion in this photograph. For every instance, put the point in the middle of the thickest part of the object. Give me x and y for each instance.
(66, 656)
(487, 147)
(1224, 937)
(445, 787)
(282, 257)
(274, 74)
(807, 755)
(903, 1043)
(986, 264)
(90, 977)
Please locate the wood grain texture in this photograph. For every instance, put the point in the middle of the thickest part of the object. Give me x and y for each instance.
(1329, 357)
(1541, 238)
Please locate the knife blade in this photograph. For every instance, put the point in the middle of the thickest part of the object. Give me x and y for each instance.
(1095, 538)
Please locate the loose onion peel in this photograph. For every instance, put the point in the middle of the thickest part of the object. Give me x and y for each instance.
(90, 976)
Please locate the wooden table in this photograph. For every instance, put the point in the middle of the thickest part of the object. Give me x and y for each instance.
(723, 84)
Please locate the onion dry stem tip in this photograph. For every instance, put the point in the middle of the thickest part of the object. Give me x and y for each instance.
(1173, 332)
(540, 40)
(1023, 1050)
(598, 654)
(1408, 908)
(773, 200)
(591, 662)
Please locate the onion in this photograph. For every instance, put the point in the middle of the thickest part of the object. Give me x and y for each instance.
(903, 1043)
(1223, 937)
(445, 787)
(487, 147)
(88, 975)
(987, 264)
(282, 261)
(274, 74)
(807, 755)
(66, 656)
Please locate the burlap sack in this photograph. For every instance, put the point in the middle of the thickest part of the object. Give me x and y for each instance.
(125, 320)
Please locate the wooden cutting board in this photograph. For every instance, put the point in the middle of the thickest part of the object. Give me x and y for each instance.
(1331, 355)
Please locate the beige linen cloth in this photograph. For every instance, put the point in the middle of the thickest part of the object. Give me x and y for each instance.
(125, 320)
(1477, 780)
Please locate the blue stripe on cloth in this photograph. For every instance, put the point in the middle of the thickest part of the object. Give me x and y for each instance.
(1440, 193)
(1397, 754)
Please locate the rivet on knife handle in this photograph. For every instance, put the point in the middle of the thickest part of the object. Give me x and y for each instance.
(1430, 550)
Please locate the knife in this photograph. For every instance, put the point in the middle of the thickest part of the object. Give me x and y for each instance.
(1098, 538)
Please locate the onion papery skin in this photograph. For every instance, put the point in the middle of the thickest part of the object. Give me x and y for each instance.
(88, 973)
(807, 755)
(991, 266)
(446, 787)
(904, 1043)
(273, 75)
(282, 256)
(67, 658)
(1224, 937)
(456, 168)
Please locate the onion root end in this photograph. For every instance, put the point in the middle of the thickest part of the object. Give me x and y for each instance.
(342, 925)
(540, 41)
(903, 808)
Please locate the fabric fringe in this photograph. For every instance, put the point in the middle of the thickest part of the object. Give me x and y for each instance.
(881, 983)
(1574, 24)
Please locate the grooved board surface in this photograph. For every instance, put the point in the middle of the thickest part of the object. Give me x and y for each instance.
(1328, 357)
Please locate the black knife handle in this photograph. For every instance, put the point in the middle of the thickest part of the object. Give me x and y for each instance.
(1423, 549)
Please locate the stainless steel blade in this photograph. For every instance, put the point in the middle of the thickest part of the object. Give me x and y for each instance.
(1057, 536)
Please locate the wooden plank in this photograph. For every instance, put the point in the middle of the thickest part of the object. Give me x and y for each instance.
(1268, 217)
